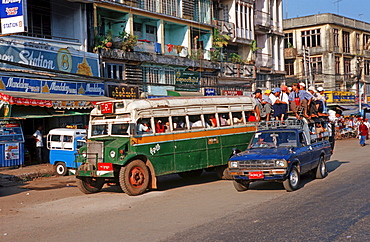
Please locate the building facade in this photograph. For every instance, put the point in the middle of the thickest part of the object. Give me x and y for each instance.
(330, 51)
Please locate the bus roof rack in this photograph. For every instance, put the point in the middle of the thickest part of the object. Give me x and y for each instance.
(287, 124)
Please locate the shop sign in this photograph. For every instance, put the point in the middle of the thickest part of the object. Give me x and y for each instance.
(209, 92)
(186, 80)
(50, 87)
(340, 97)
(50, 57)
(11, 13)
(11, 151)
(231, 93)
(123, 92)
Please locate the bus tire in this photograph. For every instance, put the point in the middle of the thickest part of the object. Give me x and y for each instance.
(60, 169)
(134, 178)
(89, 185)
(223, 173)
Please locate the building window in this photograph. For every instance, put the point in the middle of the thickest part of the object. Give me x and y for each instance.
(114, 71)
(347, 68)
(336, 37)
(316, 65)
(337, 65)
(366, 41)
(159, 75)
(288, 40)
(243, 21)
(367, 67)
(346, 42)
(358, 42)
(311, 38)
(39, 19)
(289, 67)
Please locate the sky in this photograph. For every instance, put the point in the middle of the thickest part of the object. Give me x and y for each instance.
(355, 9)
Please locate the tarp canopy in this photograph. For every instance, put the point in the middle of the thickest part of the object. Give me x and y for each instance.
(57, 101)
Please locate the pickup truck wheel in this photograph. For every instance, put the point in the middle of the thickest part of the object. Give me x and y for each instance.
(292, 181)
(241, 186)
(134, 178)
(90, 185)
(321, 171)
(60, 169)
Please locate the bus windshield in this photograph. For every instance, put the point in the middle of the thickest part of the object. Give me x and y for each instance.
(274, 140)
(100, 129)
(120, 129)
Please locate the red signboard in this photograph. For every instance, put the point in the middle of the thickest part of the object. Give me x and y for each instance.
(105, 167)
(106, 107)
(231, 93)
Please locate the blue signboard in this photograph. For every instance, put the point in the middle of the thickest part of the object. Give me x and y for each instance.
(209, 92)
(49, 57)
(11, 13)
(50, 86)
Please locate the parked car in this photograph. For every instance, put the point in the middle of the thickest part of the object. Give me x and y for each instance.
(282, 152)
(63, 144)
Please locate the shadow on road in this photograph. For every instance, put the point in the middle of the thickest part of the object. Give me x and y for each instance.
(334, 164)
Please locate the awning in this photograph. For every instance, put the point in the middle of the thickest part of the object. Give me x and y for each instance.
(57, 101)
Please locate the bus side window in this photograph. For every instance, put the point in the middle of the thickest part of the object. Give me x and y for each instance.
(224, 117)
(195, 122)
(67, 142)
(237, 118)
(210, 120)
(143, 126)
(162, 125)
(179, 123)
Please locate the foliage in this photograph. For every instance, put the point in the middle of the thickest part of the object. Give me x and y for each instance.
(129, 41)
(197, 54)
(290, 45)
(234, 58)
(254, 47)
(101, 41)
(220, 40)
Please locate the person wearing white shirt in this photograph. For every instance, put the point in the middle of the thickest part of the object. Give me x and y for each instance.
(39, 144)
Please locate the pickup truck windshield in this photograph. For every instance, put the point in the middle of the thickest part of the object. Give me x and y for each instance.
(274, 139)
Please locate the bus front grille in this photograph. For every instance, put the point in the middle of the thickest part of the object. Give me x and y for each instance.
(95, 152)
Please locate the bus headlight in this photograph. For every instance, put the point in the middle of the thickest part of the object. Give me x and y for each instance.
(112, 154)
(233, 164)
(280, 163)
(84, 154)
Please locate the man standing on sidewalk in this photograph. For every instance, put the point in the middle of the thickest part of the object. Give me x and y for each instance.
(363, 132)
(39, 144)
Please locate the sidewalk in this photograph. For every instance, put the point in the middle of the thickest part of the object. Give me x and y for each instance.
(9, 175)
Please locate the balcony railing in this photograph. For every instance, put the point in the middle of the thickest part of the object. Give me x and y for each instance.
(225, 27)
(168, 7)
(176, 50)
(148, 46)
(262, 19)
(241, 70)
(264, 60)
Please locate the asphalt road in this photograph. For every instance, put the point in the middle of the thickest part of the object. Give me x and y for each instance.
(203, 209)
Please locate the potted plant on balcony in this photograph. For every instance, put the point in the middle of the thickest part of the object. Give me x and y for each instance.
(103, 41)
(219, 41)
(235, 58)
(129, 41)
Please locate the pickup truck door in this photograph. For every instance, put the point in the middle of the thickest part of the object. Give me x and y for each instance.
(316, 152)
(304, 153)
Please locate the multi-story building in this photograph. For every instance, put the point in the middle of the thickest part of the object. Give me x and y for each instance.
(328, 50)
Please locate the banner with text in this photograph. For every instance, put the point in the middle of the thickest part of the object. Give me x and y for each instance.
(12, 17)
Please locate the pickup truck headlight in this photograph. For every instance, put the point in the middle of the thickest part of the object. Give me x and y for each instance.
(280, 163)
(233, 164)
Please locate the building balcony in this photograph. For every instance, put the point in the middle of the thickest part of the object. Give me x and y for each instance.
(149, 57)
(224, 27)
(263, 60)
(238, 70)
(290, 53)
(262, 21)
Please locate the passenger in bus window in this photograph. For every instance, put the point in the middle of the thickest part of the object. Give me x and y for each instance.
(213, 121)
(167, 127)
(159, 127)
(223, 120)
(143, 127)
(179, 122)
(197, 124)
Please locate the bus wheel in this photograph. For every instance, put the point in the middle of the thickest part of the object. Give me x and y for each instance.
(187, 174)
(60, 169)
(134, 178)
(223, 173)
(90, 185)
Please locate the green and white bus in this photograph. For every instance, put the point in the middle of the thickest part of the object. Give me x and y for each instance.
(131, 142)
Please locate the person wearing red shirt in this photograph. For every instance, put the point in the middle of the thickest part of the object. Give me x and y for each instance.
(363, 132)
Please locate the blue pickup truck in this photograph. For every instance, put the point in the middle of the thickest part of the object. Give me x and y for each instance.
(282, 152)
